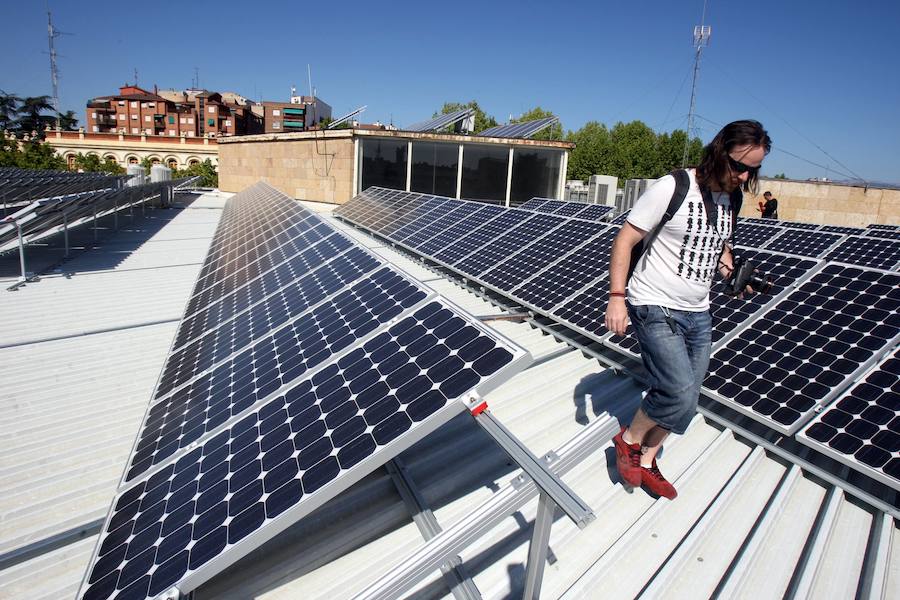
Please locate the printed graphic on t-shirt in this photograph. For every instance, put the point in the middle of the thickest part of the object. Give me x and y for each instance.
(699, 252)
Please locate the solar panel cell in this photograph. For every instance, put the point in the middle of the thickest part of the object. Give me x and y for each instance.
(502, 246)
(803, 243)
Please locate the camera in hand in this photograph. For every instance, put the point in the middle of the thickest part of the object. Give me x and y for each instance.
(745, 274)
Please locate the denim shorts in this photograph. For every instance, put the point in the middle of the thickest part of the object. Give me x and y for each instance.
(676, 362)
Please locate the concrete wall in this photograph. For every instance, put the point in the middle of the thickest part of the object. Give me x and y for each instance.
(308, 169)
(828, 203)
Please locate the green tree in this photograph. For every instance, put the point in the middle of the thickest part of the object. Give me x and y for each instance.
(206, 170)
(31, 117)
(36, 154)
(554, 132)
(68, 121)
(780, 176)
(634, 151)
(482, 120)
(92, 164)
(591, 153)
(9, 110)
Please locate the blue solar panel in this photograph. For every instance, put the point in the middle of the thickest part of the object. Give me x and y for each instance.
(459, 249)
(594, 212)
(519, 130)
(867, 252)
(502, 246)
(279, 396)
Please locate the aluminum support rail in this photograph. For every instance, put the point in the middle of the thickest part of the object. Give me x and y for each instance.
(537, 549)
(549, 483)
(455, 576)
(426, 560)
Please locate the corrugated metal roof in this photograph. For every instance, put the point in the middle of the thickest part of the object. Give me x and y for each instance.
(746, 523)
(82, 349)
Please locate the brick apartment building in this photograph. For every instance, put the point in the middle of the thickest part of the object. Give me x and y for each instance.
(198, 113)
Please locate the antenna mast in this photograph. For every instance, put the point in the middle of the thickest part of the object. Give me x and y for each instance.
(54, 73)
(701, 39)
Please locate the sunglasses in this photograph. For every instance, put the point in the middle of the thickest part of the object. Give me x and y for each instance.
(739, 167)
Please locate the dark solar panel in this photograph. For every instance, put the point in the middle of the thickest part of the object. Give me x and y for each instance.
(883, 227)
(437, 226)
(804, 243)
(569, 209)
(487, 233)
(796, 355)
(424, 227)
(753, 235)
(569, 274)
(522, 265)
(867, 252)
(502, 246)
(862, 428)
(519, 130)
(619, 220)
(788, 224)
(468, 223)
(250, 375)
(370, 404)
(550, 206)
(730, 313)
(287, 398)
(533, 204)
(842, 229)
(890, 234)
(587, 309)
(594, 212)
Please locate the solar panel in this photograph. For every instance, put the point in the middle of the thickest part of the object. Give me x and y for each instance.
(441, 121)
(550, 206)
(876, 253)
(796, 356)
(274, 411)
(519, 130)
(883, 227)
(533, 204)
(594, 212)
(535, 257)
(804, 243)
(862, 428)
(890, 234)
(783, 270)
(502, 246)
(414, 234)
(487, 233)
(842, 229)
(571, 273)
(470, 222)
(788, 224)
(620, 220)
(439, 225)
(754, 235)
(569, 209)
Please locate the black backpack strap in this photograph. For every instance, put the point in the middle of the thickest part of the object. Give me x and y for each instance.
(682, 185)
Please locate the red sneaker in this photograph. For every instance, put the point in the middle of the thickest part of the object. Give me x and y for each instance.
(656, 483)
(628, 460)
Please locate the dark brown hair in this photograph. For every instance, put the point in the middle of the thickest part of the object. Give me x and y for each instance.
(714, 168)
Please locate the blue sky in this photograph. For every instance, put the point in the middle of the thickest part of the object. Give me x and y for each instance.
(822, 77)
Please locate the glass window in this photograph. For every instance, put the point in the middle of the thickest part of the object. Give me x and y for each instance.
(535, 174)
(484, 172)
(383, 163)
(276, 112)
(434, 168)
(212, 109)
(171, 120)
(210, 122)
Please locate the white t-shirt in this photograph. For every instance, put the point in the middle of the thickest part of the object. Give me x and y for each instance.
(678, 269)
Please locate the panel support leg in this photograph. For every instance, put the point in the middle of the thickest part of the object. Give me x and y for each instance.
(455, 576)
(574, 507)
(95, 224)
(66, 232)
(537, 550)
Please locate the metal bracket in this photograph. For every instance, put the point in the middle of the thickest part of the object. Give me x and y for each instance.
(455, 576)
(551, 485)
